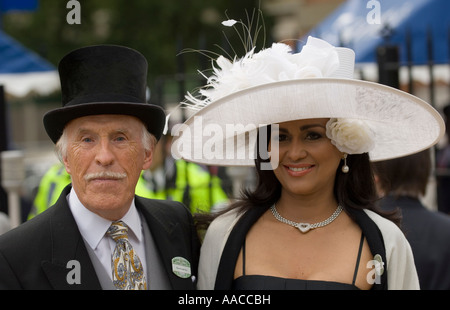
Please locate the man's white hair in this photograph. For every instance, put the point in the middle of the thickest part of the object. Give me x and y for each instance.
(148, 142)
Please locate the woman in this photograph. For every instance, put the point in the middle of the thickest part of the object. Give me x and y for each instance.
(310, 222)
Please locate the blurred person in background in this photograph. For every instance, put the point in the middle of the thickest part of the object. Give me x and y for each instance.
(176, 179)
(443, 168)
(50, 187)
(4, 223)
(402, 182)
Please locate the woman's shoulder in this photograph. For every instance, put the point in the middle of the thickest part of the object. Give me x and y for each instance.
(383, 223)
(400, 259)
(392, 234)
(215, 239)
(224, 223)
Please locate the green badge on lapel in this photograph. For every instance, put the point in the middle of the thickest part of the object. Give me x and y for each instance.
(181, 267)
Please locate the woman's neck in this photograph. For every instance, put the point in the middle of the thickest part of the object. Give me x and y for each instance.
(310, 208)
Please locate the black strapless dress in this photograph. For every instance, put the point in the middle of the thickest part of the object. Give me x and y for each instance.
(257, 282)
(260, 282)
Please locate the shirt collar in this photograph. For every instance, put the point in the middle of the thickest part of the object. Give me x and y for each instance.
(93, 227)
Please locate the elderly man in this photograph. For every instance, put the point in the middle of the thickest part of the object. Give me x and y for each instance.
(99, 235)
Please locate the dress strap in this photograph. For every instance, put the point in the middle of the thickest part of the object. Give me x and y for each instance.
(361, 243)
(243, 257)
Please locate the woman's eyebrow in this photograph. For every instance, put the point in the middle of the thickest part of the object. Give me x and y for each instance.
(309, 126)
(302, 128)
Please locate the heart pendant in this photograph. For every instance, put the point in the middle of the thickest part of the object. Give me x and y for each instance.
(304, 227)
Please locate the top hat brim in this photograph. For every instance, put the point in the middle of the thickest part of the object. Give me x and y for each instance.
(151, 115)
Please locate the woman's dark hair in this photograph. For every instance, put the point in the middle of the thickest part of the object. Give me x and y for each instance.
(355, 189)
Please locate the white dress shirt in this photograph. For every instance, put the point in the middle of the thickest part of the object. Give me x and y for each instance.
(93, 230)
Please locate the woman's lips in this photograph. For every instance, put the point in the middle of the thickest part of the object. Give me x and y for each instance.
(298, 170)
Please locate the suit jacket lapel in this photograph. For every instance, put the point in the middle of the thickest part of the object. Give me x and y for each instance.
(69, 255)
(165, 232)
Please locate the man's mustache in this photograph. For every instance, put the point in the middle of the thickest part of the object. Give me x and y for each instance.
(105, 175)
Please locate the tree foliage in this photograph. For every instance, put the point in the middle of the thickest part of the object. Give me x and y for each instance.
(157, 28)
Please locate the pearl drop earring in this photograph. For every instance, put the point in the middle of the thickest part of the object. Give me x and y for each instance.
(345, 168)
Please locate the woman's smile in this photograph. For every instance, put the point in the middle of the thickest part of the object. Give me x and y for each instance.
(298, 170)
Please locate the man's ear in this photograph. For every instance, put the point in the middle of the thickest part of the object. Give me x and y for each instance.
(66, 164)
(147, 159)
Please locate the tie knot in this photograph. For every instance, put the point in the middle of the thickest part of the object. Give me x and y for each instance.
(118, 231)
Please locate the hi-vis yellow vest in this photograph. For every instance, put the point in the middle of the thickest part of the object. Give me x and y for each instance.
(192, 185)
(50, 187)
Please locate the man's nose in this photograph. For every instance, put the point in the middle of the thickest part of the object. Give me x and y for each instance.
(104, 155)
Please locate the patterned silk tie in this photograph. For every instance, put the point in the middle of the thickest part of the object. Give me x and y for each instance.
(127, 271)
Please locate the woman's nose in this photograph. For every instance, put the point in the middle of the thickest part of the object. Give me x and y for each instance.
(296, 151)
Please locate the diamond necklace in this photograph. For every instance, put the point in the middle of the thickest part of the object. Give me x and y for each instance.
(305, 227)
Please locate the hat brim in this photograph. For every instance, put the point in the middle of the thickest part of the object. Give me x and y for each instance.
(152, 116)
(403, 124)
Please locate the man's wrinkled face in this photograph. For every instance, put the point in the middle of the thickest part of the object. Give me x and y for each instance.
(105, 156)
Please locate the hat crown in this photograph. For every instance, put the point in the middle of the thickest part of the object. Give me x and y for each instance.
(103, 79)
(317, 59)
(346, 67)
(103, 73)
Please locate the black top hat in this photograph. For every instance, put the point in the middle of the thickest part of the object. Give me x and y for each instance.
(103, 79)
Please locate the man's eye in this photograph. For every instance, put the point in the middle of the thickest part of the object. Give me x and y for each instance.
(120, 139)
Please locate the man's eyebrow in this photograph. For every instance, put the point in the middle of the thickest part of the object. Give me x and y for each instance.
(83, 130)
(122, 130)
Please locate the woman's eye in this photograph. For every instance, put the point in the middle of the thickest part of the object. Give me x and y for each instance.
(280, 137)
(313, 136)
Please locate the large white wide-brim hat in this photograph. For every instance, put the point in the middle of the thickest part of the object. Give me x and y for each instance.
(316, 83)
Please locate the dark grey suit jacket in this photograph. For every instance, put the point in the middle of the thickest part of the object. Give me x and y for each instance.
(428, 232)
(35, 255)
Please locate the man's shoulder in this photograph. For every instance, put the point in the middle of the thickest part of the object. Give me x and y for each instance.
(160, 207)
(24, 238)
(39, 227)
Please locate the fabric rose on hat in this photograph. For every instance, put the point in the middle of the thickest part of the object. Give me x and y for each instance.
(350, 136)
